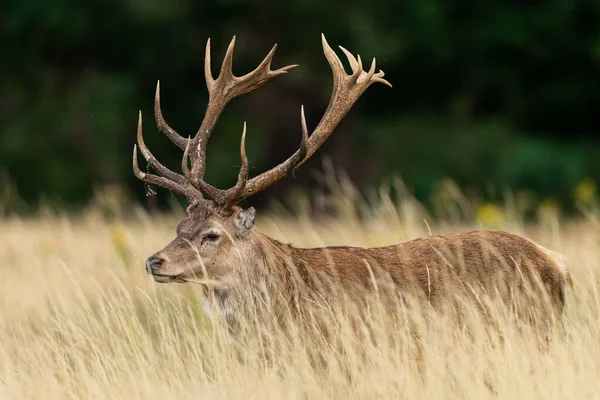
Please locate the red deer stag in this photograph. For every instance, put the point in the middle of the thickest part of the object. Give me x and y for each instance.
(217, 247)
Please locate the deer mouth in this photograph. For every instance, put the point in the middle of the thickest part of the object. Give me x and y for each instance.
(167, 278)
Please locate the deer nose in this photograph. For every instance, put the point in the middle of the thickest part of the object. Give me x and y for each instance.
(153, 264)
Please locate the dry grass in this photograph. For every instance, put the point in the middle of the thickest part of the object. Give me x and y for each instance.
(81, 320)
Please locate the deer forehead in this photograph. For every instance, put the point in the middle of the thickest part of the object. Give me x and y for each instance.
(198, 225)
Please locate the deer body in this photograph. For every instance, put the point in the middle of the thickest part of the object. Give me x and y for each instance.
(432, 270)
(218, 247)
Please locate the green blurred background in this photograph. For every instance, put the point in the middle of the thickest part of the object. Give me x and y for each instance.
(496, 94)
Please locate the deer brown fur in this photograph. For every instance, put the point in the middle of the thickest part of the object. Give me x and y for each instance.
(218, 247)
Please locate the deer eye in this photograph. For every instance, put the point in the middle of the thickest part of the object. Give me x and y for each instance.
(211, 237)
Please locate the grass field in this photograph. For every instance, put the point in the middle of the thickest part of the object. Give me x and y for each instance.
(80, 319)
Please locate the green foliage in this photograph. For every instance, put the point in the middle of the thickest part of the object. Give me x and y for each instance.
(496, 92)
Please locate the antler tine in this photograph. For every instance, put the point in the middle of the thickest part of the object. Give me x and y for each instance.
(262, 74)
(371, 70)
(152, 161)
(222, 90)
(356, 65)
(267, 178)
(346, 90)
(227, 65)
(159, 180)
(162, 124)
(223, 199)
(210, 81)
(351, 59)
(185, 160)
(304, 144)
(204, 188)
(232, 196)
(378, 77)
(243, 174)
(167, 179)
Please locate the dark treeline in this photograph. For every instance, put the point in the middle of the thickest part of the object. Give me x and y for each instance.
(500, 93)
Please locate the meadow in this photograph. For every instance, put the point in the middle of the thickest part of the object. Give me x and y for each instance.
(80, 319)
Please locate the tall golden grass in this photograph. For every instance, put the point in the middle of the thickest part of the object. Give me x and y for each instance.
(80, 319)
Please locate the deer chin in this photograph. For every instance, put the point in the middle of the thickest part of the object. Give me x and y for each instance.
(209, 283)
(167, 278)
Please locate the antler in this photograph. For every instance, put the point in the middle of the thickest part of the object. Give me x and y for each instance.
(168, 179)
(221, 91)
(346, 90)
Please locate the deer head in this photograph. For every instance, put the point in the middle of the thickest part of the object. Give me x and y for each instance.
(217, 237)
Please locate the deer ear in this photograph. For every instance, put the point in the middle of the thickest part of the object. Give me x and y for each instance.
(244, 220)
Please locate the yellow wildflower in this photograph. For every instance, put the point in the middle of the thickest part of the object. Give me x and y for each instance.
(585, 191)
(490, 214)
